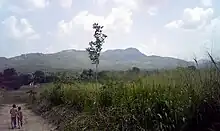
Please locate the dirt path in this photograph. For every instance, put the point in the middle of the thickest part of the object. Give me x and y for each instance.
(31, 122)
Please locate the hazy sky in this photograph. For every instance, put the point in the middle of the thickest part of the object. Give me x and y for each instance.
(177, 28)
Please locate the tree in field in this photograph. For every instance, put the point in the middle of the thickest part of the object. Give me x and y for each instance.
(192, 67)
(87, 74)
(39, 76)
(10, 79)
(135, 70)
(95, 47)
(25, 79)
(10, 72)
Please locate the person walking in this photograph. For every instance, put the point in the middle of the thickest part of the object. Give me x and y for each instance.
(20, 118)
(13, 113)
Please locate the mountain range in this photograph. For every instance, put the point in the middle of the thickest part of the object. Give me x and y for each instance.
(118, 59)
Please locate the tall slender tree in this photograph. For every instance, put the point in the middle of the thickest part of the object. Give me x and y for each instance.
(95, 47)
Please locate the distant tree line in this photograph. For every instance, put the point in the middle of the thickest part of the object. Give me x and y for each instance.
(12, 80)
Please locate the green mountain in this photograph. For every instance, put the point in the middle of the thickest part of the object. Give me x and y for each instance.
(119, 59)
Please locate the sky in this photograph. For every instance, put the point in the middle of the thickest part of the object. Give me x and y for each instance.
(182, 29)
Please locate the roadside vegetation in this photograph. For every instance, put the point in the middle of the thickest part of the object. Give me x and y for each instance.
(180, 99)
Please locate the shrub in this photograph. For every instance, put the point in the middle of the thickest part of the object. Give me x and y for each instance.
(181, 99)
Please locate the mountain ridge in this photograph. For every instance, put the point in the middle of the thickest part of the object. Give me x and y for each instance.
(116, 59)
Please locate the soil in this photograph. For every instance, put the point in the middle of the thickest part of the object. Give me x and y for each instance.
(31, 121)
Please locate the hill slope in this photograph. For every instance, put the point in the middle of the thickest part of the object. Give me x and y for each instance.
(119, 59)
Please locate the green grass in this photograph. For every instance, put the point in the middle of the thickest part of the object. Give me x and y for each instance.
(166, 101)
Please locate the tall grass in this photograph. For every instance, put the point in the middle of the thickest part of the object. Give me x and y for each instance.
(174, 100)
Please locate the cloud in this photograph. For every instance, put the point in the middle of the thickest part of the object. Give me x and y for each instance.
(65, 28)
(117, 24)
(126, 22)
(17, 9)
(215, 23)
(66, 3)
(152, 11)
(19, 29)
(130, 4)
(1, 3)
(100, 2)
(85, 19)
(195, 18)
(119, 19)
(206, 3)
(214, 27)
(153, 46)
(23, 6)
(151, 5)
(37, 3)
(175, 24)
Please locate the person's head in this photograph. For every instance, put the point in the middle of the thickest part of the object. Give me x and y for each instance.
(14, 106)
(19, 108)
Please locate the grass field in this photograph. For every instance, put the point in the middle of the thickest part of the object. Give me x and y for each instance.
(174, 100)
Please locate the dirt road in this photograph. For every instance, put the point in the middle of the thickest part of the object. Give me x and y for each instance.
(31, 122)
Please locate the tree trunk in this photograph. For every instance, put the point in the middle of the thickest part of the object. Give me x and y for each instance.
(96, 72)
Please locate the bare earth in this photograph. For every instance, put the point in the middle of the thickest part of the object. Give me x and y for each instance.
(31, 121)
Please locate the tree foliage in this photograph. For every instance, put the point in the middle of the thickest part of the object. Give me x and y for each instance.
(39, 76)
(135, 69)
(87, 74)
(192, 67)
(10, 72)
(10, 79)
(95, 47)
(26, 79)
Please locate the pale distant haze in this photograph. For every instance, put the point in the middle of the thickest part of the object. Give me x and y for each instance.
(176, 28)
